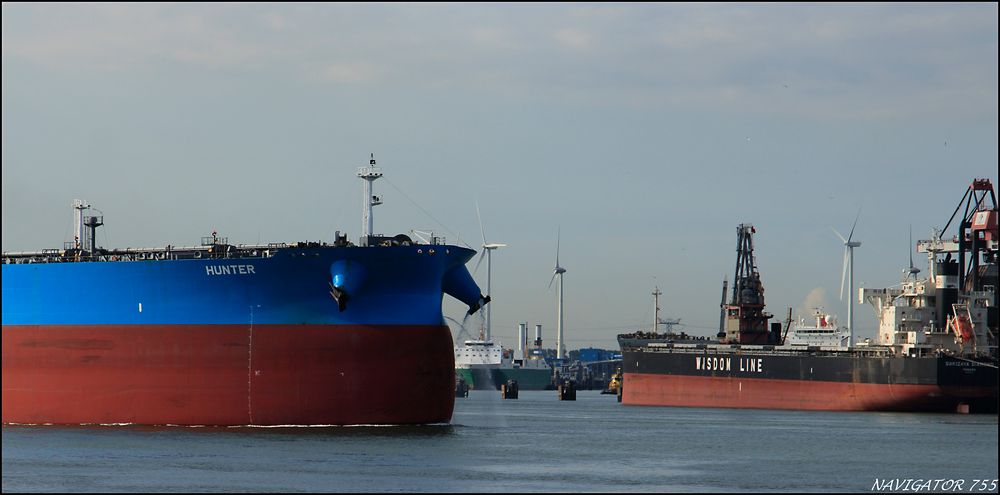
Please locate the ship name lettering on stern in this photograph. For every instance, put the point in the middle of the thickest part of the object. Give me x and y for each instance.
(229, 270)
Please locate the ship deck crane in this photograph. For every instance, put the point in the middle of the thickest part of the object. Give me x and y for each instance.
(746, 320)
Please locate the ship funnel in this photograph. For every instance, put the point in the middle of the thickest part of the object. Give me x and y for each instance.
(945, 290)
(458, 283)
(522, 337)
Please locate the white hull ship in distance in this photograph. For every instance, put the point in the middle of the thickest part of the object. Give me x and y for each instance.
(823, 333)
(485, 365)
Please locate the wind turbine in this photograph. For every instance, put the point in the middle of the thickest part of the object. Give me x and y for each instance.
(488, 252)
(849, 246)
(558, 270)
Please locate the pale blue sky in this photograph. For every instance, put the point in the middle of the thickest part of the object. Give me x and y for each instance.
(648, 132)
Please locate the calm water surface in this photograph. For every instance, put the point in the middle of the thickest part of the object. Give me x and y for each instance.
(533, 444)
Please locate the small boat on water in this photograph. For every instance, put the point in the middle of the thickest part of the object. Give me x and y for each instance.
(614, 383)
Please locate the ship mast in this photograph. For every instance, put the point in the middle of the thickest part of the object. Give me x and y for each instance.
(656, 307)
(369, 174)
(657, 321)
(84, 229)
(79, 206)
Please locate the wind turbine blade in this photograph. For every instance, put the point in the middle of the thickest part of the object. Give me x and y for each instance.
(851, 236)
(551, 280)
(838, 235)
(478, 262)
(558, 236)
(911, 247)
(481, 228)
(843, 274)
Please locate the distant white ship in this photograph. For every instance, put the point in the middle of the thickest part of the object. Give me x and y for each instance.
(822, 332)
(484, 364)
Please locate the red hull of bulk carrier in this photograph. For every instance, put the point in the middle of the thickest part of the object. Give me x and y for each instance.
(228, 374)
(704, 391)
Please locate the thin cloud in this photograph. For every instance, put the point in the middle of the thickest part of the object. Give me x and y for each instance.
(817, 61)
(350, 73)
(572, 38)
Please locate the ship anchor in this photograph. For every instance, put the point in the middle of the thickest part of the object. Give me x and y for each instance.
(338, 295)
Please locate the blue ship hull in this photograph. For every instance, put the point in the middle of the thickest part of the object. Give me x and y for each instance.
(398, 285)
(307, 335)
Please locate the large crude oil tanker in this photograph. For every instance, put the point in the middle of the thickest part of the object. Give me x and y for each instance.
(935, 348)
(218, 334)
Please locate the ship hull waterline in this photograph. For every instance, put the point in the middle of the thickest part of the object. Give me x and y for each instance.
(755, 393)
(805, 380)
(226, 375)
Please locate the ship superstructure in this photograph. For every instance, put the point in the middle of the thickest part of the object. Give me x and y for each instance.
(953, 309)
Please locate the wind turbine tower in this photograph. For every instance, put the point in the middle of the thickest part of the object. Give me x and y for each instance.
(558, 271)
(488, 251)
(849, 246)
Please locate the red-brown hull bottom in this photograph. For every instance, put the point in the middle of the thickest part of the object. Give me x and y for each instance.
(228, 374)
(754, 393)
